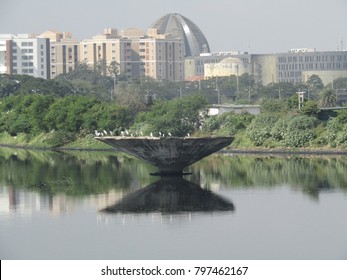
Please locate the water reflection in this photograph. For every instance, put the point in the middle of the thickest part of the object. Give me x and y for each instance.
(82, 174)
(311, 175)
(171, 195)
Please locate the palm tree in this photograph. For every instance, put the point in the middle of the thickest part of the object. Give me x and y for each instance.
(328, 98)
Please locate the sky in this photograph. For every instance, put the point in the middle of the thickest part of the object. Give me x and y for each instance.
(258, 26)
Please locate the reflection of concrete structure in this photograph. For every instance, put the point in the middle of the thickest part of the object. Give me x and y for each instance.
(171, 195)
(171, 155)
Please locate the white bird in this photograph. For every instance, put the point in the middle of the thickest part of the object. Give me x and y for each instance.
(141, 133)
(159, 133)
(105, 132)
(151, 134)
(169, 134)
(111, 133)
(127, 132)
(188, 134)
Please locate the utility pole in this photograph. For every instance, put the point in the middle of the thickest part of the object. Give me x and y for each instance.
(279, 93)
(218, 92)
(300, 98)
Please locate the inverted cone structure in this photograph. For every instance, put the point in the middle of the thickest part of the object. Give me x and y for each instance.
(171, 154)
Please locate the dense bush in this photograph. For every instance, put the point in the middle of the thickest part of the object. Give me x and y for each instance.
(300, 131)
(260, 128)
(293, 130)
(335, 133)
(177, 117)
(35, 113)
(227, 123)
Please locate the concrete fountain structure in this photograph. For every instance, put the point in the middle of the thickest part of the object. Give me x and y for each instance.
(170, 154)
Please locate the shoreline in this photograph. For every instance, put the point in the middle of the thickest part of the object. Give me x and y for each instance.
(227, 150)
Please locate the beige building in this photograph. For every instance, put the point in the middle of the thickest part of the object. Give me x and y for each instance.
(138, 55)
(227, 67)
(161, 56)
(108, 48)
(64, 52)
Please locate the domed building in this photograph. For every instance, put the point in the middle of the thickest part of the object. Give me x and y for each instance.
(179, 26)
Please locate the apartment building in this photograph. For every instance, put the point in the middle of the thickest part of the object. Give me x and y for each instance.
(137, 54)
(103, 49)
(161, 56)
(64, 52)
(25, 54)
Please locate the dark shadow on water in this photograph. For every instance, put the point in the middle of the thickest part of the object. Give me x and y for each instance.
(171, 195)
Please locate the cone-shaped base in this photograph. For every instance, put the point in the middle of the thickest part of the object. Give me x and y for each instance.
(171, 154)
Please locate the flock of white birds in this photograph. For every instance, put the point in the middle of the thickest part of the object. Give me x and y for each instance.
(126, 133)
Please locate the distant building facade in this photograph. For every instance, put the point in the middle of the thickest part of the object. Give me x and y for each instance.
(298, 65)
(161, 56)
(294, 67)
(138, 55)
(25, 54)
(195, 65)
(64, 52)
(107, 48)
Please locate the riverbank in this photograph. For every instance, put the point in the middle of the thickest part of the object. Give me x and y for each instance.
(89, 143)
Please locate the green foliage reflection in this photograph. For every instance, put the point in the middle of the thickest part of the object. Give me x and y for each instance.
(77, 174)
(308, 174)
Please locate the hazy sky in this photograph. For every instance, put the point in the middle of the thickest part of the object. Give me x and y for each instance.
(264, 26)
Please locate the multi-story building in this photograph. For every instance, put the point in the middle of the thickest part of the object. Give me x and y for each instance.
(298, 65)
(105, 49)
(295, 66)
(25, 54)
(161, 56)
(64, 52)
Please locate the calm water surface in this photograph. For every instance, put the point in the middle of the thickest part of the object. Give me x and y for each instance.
(88, 205)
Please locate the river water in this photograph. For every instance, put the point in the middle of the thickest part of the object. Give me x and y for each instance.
(94, 205)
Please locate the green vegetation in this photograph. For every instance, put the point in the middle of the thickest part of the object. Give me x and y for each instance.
(66, 111)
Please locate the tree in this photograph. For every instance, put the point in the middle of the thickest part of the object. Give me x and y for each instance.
(178, 116)
(328, 98)
(314, 85)
(310, 108)
(8, 86)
